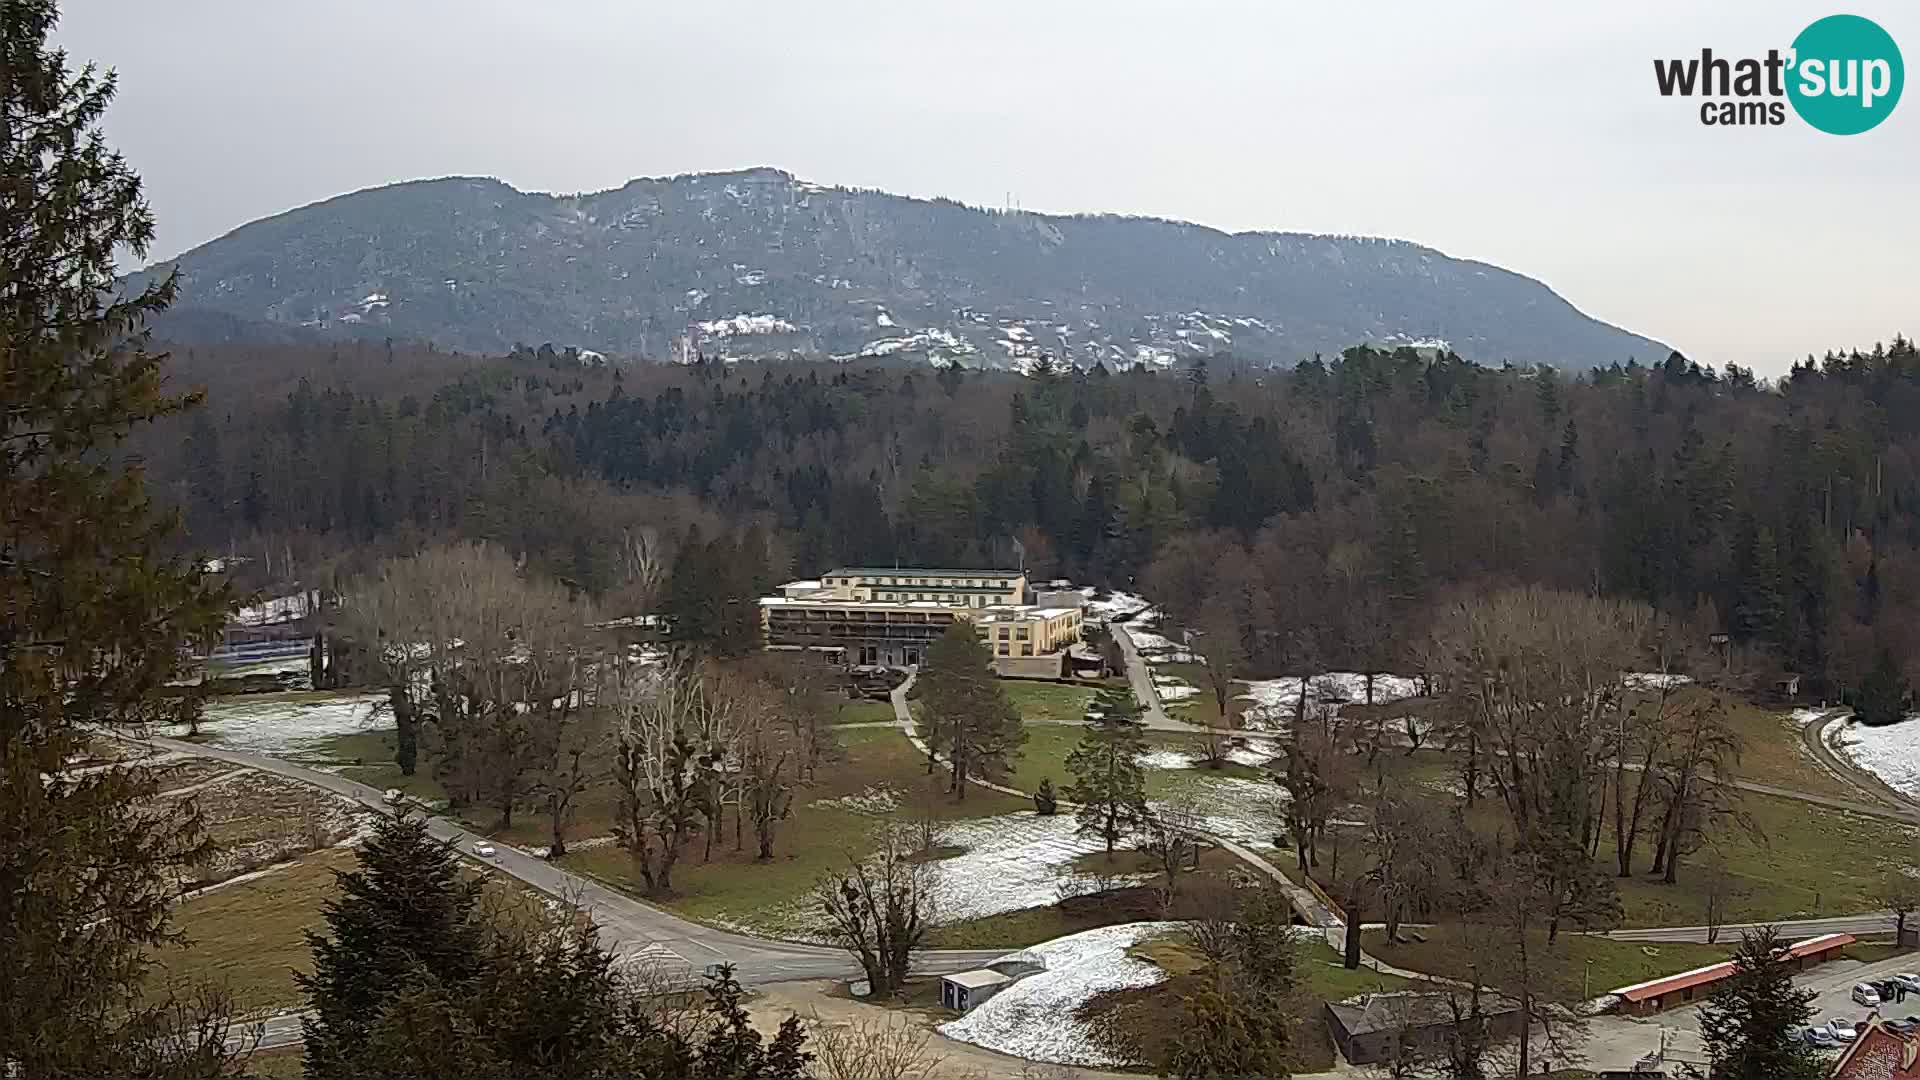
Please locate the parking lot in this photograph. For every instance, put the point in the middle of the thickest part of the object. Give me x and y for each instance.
(1616, 1042)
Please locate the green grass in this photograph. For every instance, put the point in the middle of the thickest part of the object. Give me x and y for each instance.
(1044, 754)
(816, 839)
(865, 712)
(1809, 861)
(1320, 972)
(248, 936)
(1448, 950)
(1200, 708)
(1773, 754)
(1048, 703)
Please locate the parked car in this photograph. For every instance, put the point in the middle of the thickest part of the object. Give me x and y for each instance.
(1889, 990)
(1819, 1036)
(1901, 1025)
(1909, 980)
(1842, 1028)
(1865, 994)
(485, 851)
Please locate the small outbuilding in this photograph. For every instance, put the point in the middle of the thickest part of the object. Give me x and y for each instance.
(1376, 1028)
(961, 992)
(1671, 991)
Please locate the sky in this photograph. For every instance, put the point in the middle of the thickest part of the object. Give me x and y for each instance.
(1523, 134)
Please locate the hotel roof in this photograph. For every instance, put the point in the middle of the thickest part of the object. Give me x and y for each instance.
(917, 571)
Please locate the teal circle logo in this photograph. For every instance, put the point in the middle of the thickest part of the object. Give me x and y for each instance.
(1846, 75)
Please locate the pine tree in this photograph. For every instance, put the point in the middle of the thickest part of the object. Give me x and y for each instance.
(1883, 693)
(968, 715)
(404, 915)
(95, 614)
(1751, 1025)
(1109, 786)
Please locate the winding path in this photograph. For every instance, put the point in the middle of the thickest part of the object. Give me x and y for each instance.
(629, 928)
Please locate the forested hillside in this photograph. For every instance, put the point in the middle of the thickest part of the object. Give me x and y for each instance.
(759, 264)
(1326, 509)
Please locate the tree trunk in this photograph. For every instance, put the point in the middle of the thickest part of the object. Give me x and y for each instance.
(1350, 958)
(555, 811)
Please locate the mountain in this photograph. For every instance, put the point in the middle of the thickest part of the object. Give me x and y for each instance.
(757, 263)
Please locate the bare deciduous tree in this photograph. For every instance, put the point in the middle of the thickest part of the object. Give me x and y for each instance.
(878, 1048)
(880, 909)
(659, 771)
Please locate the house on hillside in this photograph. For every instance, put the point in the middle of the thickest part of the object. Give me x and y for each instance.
(1879, 1054)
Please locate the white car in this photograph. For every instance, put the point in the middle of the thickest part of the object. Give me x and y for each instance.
(1842, 1028)
(483, 849)
(1909, 980)
(1865, 994)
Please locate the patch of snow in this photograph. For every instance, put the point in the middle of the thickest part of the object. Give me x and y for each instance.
(277, 610)
(1010, 862)
(746, 324)
(1891, 751)
(287, 727)
(877, 801)
(1655, 680)
(1035, 1017)
(883, 319)
(1115, 605)
(696, 297)
(1274, 700)
(1172, 690)
(1168, 759)
(751, 277)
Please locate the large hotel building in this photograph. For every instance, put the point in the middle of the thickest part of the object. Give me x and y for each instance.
(888, 617)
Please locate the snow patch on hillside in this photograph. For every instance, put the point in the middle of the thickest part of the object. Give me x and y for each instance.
(1035, 1017)
(740, 325)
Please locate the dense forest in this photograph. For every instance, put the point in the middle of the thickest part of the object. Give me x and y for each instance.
(1324, 508)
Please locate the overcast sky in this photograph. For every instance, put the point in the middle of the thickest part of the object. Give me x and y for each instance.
(1525, 134)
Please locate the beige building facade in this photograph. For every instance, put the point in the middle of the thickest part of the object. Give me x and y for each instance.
(890, 616)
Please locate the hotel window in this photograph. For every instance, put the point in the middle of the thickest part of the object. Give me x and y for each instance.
(1021, 633)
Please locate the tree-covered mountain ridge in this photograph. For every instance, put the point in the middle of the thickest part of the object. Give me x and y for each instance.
(757, 264)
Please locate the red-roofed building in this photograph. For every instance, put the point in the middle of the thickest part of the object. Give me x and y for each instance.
(1879, 1054)
(1647, 998)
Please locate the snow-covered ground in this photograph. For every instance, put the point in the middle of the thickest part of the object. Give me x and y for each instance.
(1250, 756)
(1116, 605)
(1273, 700)
(1011, 862)
(1173, 689)
(277, 610)
(289, 727)
(1892, 752)
(1655, 680)
(1035, 1017)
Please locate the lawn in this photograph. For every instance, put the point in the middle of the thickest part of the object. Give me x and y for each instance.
(734, 889)
(1802, 861)
(1048, 703)
(1773, 754)
(1199, 708)
(865, 712)
(1580, 966)
(1044, 754)
(248, 936)
(1808, 861)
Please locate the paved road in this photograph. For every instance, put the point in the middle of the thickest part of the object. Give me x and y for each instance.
(1140, 675)
(629, 928)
